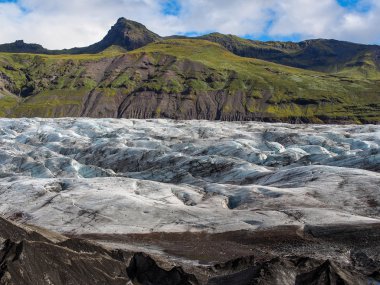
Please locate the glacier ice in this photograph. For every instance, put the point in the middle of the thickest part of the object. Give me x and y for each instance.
(79, 175)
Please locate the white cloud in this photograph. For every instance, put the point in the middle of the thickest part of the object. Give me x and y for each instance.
(68, 23)
(327, 19)
(64, 24)
(235, 17)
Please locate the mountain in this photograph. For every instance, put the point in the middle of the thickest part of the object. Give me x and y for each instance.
(125, 33)
(183, 78)
(21, 47)
(330, 56)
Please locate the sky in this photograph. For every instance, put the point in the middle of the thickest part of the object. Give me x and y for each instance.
(60, 24)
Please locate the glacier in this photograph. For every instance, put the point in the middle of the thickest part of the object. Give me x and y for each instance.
(117, 176)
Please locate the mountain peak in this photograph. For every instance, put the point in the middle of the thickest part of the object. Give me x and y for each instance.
(123, 22)
(126, 34)
(124, 27)
(122, 19)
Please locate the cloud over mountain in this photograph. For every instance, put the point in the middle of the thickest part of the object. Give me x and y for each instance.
(64, 24)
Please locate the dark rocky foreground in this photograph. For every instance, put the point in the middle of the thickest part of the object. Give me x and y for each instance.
(31, 255)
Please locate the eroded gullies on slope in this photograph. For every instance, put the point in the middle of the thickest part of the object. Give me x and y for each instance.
(179, 79)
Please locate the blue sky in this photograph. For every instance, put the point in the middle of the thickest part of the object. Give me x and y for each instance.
(348, 3)
(173, 7)
(64, 24)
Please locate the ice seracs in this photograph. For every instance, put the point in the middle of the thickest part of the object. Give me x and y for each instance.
(139, 176)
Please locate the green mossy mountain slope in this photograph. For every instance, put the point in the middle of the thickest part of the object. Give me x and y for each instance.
(329, 56)
(180, 79)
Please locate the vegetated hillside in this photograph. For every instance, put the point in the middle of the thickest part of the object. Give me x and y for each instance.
(331, 56)
(180, 79)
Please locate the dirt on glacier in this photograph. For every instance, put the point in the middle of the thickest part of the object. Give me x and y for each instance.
(31, 255)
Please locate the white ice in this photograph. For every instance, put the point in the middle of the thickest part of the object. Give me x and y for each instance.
(138, 176)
